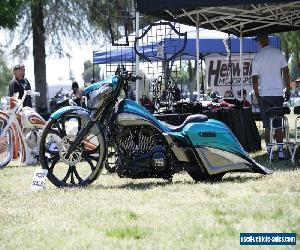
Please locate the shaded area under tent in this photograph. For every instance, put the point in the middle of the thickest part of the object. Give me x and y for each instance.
(239, 17)
(213, 44)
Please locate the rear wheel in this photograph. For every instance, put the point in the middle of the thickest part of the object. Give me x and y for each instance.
(84, 164)
(199, 175)
(110, 164)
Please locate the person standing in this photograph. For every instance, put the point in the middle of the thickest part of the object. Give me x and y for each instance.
(246, 103)
(77, 93)
(270, 75)
(19, 84)
(26, 85)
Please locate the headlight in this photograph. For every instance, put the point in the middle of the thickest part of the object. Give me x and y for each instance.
(4, 102)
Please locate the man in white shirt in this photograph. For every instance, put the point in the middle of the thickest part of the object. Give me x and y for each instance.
(269, 66)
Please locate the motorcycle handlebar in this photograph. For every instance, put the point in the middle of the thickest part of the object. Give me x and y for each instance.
(135, 77)
(121, 71)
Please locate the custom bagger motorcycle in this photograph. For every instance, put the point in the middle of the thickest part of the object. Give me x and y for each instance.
(74, 143)
(20, 130)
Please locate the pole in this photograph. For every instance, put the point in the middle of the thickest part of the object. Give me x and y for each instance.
(230, 64)
(241, 63)
(137, 59)
(202, 76)
(93, 70)
(197, 59)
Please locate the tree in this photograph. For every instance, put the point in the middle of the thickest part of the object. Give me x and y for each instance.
(54, 23)
(5, 75)
(10, 13)
(290, 44)
(39, 53)
(120, 13)
(87, 74)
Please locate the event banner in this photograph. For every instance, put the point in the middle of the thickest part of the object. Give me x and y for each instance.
(220, 78)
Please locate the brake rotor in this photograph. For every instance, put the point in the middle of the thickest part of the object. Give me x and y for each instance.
(64, 146)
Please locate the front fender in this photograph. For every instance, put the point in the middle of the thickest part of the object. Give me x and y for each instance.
(69, 110)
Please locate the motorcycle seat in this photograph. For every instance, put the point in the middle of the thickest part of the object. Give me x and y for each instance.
(189, 119)
(297, 110)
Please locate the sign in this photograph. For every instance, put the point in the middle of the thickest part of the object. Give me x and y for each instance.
(220, 78)
(39, 179)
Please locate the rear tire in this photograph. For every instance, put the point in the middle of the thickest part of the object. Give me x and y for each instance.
(198, 175)
(84, 164)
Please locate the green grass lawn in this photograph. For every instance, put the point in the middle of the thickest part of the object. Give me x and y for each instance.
(116, 213)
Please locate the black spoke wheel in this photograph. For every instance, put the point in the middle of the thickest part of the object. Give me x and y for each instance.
(84, 164)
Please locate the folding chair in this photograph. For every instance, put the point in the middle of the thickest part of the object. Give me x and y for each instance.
(297, 129)
(278, 114)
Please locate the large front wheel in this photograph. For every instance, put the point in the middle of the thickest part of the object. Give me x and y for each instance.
(5, 145)
(84, 164)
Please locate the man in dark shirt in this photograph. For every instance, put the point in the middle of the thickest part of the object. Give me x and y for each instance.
(177, 93)
(19, 83)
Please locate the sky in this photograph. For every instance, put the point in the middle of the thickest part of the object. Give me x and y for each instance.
(57, 69)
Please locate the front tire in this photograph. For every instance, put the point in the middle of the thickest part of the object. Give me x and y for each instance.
(6, 145)
(84, 164)
(5, 148)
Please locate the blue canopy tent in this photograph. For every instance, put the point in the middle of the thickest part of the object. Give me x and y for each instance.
(113, 55)
(207, 46)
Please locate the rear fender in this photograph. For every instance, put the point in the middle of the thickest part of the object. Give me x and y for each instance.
(212, 133)
(216, 160)
(217, 149)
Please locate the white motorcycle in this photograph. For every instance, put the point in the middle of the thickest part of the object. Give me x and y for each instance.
(20, 130)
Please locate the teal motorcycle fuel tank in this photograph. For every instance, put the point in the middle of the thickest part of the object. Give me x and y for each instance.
(113, 80)
(215, 146)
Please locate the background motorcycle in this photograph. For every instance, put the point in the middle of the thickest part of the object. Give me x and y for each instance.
(73, 146)
(62, 98)
(20, 130)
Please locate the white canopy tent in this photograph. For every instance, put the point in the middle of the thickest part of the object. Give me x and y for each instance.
(238, 17)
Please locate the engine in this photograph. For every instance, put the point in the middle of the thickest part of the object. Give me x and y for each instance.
(136, 141)
(143, 154)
